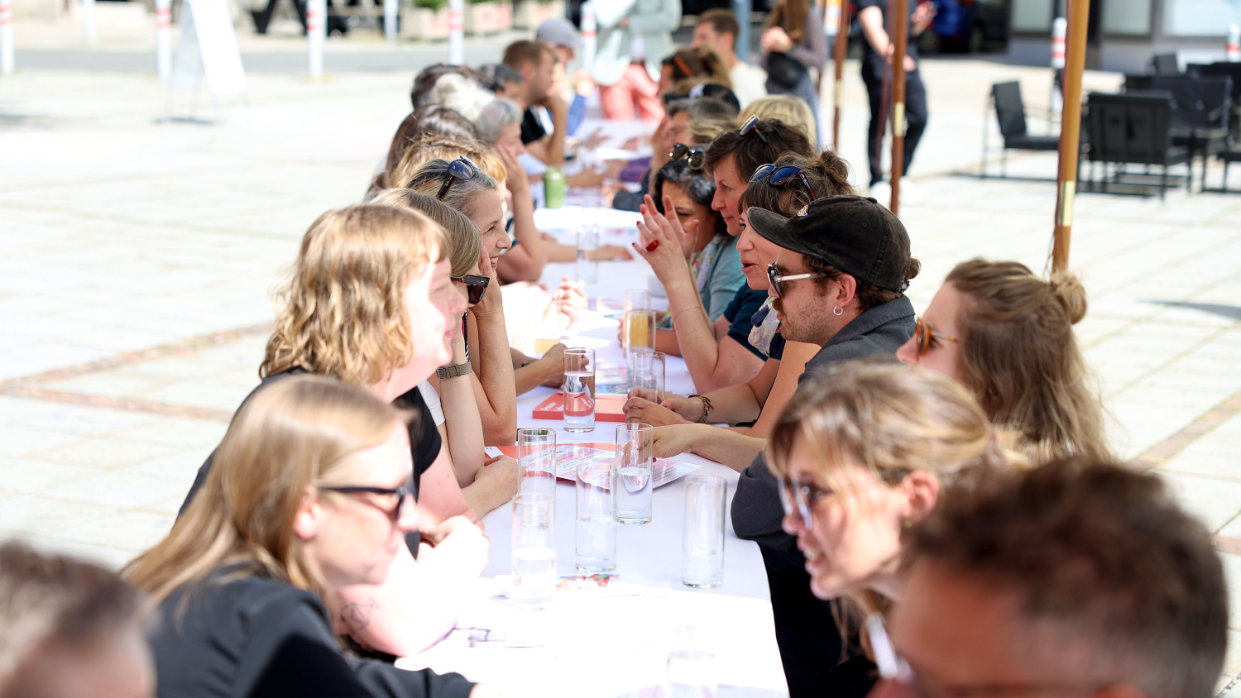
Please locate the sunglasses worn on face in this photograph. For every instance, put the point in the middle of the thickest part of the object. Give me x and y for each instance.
(475, 286)
(692, 153)
(401, 493)
(459, 169)
(923, 335)
(751, 124)
(777, 281)
(779, 176)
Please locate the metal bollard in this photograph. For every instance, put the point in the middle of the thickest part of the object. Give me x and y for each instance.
(88, 22)
(1233, 49)
(316, 35)
(1059, 29)
(456, 32)
(163, 38)
(6, 37)
(390, 12)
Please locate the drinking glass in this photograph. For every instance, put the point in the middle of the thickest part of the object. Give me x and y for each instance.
(631, 473)
(639, 330)
(702, 542)
(587, 243)
(637, 299)
(536, 461)
(534, 548)
(595, 532)
(579, 389)
(646, 374)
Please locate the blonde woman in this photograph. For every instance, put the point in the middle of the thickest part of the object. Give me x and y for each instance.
(311, 494)
(860, 459)
(1007, 335)
(787, 109)
(369, 302)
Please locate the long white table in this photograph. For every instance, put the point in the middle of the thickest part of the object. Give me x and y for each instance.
(614, 641)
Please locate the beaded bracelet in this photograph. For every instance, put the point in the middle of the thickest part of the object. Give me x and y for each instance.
(706, 407)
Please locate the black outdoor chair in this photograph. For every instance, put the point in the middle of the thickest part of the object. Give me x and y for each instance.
(1233, 72)
(1010, 113)
(1165, 64)
(1201, 107)
(1134, 128)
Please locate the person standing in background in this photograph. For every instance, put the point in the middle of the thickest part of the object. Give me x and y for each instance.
(877, 52)
(634, 36)
(792, 43)
(718, 28)
(573, 87)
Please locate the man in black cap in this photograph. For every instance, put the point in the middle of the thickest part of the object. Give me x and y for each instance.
(839, 282)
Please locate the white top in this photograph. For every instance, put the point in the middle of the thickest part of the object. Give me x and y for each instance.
(432, 399)
(749, 82)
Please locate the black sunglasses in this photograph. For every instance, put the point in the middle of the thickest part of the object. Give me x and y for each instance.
(693, 155)
(475, 286)
(461, 169)
(777, 281)
(402, 493)
(751, 124)
(779, 176)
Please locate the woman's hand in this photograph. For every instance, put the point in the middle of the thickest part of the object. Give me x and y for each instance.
(659, 239)
(570, 300)
(609, 253)
(639, 409)
(775, 39)
(492, 303)
(688, 407)
(499, 472)
(552, 365)
(518, 183)
(674, 440)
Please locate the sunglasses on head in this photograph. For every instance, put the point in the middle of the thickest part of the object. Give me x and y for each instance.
(693, 155)
(777, 281)
(459, 169)
(401, 493)
(751, 124)
(923, 336)
(779, 176)
(475, 286)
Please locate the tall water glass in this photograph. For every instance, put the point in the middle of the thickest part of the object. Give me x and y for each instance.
(631, 473)
(587, 244)
(595, 528)
(579, 389)
(534, 548)
(646, 374)
(536, 461)
(702, 541)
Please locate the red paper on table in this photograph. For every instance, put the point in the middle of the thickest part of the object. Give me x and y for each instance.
(608, 408)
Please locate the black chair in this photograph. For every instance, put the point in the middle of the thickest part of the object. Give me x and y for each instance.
(1010, 113)
(1201, 107)
(1133, 128)
(1165, 64)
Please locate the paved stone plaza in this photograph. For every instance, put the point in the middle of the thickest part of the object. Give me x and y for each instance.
(138, 256)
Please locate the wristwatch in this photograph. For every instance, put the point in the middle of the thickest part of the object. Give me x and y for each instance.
(446, 372)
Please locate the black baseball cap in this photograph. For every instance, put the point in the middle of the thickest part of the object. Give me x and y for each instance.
(854, 234)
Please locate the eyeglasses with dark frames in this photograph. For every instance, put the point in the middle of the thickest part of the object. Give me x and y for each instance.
(693, 155)
(924, 335)
(475, 286)
(751, 125)
(777, 280)
(460, 169)
(779, 176)
(401, 493)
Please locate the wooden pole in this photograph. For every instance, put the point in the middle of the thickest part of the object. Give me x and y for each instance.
(1070, 131)
(900, 36)
(841, 52)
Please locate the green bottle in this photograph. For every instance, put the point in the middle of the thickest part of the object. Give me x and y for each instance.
(553, 187)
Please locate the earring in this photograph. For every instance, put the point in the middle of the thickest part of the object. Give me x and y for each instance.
(838, 311)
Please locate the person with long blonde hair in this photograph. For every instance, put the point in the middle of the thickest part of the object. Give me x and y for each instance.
(1007, 335)
(369, 302)
(310, 493)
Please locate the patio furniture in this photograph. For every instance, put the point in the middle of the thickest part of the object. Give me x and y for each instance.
(1010, 113)
(1201, 106)
(1165, 64)
(1134, 128)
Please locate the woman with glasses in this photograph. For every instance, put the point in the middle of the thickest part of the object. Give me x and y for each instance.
(311, 494)
(860, 460)
(369, 302)
(786, 185)
(1007, 335)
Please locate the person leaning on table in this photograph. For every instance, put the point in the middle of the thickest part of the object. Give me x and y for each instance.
(387, 334)
(840, 284)
(311, 493)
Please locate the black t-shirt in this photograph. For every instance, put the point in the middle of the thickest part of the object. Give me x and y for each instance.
(869, 56)
(240, 635)
(738, 314)
(531, 128)
(424, 438)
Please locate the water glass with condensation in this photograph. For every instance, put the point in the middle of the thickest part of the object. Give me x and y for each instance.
(587, 245)
(632, 485)
(595, 525)
(579, 389)
(536, 461)
(534, 548)
(702, 541)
